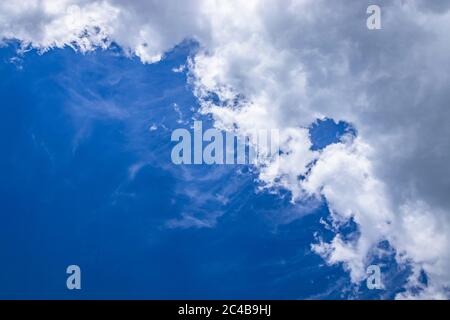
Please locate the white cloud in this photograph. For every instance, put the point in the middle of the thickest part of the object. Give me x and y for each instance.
(291, 62)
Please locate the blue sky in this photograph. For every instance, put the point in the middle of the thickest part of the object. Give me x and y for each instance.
(85, 181)
(92, 90)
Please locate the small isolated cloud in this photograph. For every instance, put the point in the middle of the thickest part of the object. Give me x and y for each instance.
(179, 69)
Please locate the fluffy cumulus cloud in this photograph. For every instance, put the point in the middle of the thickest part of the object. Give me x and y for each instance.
(284, 64)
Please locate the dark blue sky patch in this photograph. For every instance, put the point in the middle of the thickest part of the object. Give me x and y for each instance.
(327, 131)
